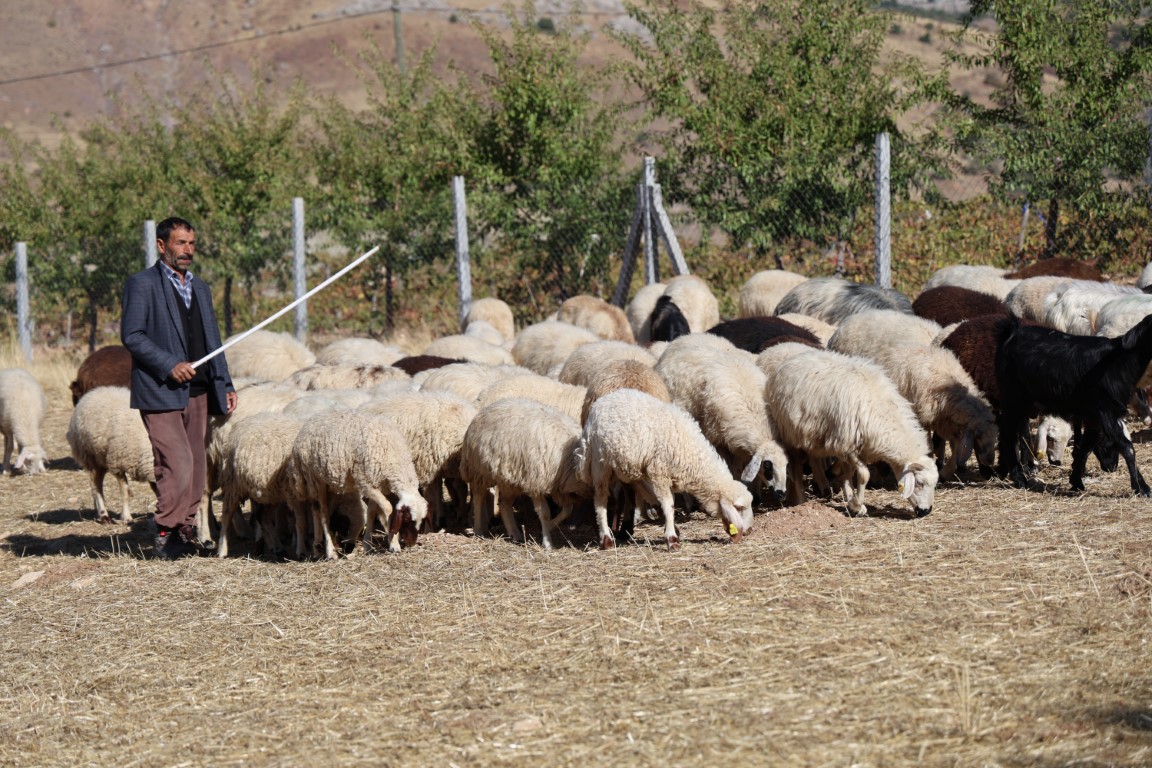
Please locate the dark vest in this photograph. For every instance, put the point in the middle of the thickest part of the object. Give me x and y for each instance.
(197, 344)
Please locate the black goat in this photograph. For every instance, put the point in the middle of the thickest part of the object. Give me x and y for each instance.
(1087, 380)
(755, 334)
(668, 322)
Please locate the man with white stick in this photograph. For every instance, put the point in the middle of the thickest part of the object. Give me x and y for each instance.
(168, 320)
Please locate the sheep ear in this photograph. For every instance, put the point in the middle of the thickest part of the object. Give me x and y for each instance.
(1129, 339)
(907, 485)
(752, 469)
(964, 450)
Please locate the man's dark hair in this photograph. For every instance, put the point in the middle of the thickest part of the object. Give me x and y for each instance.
(164, 228)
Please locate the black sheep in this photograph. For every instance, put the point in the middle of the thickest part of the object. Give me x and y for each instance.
(668, 322)
(755, 334)
(1087, 380)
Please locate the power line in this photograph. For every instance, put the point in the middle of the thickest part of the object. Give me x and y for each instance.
(260, 36)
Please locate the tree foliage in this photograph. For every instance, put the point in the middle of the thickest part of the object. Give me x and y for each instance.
(1068, 123)
(774, 107)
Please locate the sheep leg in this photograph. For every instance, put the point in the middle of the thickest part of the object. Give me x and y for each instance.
(9, 445)
(1084, 440)
(125, 506)
(546, 522)
(481, 512)
(301, 521)
(231, 503)
(795, 476)
(600, 486)
(1013, 425)
(855, 478)
(97, 476)
(321, 532)
(819, 477)
(1114, 433)
(434, 495)
(362, 524)
(664, 497)
(508, 516)
(384, 513)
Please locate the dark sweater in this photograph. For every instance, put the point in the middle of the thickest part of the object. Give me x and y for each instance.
(197, 344)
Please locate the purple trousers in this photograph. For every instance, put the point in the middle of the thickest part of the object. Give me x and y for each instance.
(178, 456)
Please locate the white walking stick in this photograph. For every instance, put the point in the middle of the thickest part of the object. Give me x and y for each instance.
(288, 308)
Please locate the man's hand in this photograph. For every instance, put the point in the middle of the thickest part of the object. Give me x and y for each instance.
(232, 400)
(183, 372)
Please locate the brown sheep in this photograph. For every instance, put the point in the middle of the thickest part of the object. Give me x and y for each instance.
(106, 367)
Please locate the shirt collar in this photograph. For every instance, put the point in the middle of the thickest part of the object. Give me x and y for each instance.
(174, 275)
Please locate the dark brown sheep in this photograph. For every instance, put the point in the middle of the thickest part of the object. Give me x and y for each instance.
(1059, 266)
(948, 304)
(106, 367)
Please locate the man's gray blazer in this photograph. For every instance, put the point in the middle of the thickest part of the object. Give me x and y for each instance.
(152, 329)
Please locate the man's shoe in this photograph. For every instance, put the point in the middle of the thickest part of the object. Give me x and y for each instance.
(169, 545)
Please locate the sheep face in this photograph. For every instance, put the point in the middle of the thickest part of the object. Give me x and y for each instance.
(31, 460)
(918, 484)
(735, 509)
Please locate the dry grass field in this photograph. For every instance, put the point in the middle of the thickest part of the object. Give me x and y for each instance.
(1007, 628)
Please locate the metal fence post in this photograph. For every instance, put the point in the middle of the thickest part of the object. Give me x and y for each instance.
(150, 255)
(23, 309)
(651, 271)
(300, 279)
(883, 242)
(463, 265)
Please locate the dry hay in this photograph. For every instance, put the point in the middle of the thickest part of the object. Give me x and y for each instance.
(1006, 628)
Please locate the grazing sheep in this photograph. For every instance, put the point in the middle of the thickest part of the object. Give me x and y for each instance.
(667, 322)
(1086, 380)
(344, 376)
(366, 457)
(1072, 307)
(522, 447)
(468, 348)
(1052, 438)
(624, 374)
(762, 292)
(566, 398)
(986, 279)
(1060, 266)
(1026, 300)
(494, 312)
(485, 331)
(656, 448)
(596, 315)
(755, 334)
(544, 345)
(818, 328)
(830, 405)
(832, 299)
(358, 351)
(22, 409)
(694, 298)
(865, 333)
(468, 380)
(256, 466)
(1122, 313)
(107, 437)
(950, 304)
(268, 356)
(639, 311)
(106, 367)
(434, 424)
(586, 362)
(722, 388)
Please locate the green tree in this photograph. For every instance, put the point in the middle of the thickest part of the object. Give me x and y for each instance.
(552, 189)
(1067, 125)
(385, 174)
(773, 109)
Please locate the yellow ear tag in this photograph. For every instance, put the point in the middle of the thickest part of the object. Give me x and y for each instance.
(900, 487)
(732, 530)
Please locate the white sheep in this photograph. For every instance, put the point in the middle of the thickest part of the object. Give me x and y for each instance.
(542, 346)
(1122, 313)
(566, 398)
(360, 351)
(829, 405)
(639, 311)
(865, 332)
(721, 387)
(605, 320)
(1026, 299)
(344, 376)
(831, 299)
(820, 329)
(107, 437)
(1052, 437)
(983, 278)
(485, 331)
(470, 348)
(268, 356)
(1073, 306)
(434, 424)
(494, 312)
(521, 447)
(761, 293)
(256, 466)
(468, 380)
(658, 450)
(22, 409)
(586, 362)
(363, 456)
(694, 298)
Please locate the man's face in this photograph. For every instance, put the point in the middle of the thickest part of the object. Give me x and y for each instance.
(179, 249)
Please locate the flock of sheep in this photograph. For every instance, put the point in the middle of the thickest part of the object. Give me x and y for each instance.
(616, 412)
